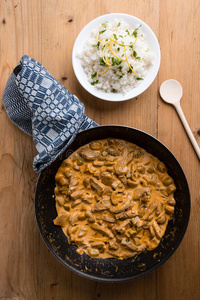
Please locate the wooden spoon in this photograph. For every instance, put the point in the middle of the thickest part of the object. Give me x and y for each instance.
(171, 92)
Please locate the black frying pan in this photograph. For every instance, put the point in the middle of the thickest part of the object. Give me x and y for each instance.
(112, 270)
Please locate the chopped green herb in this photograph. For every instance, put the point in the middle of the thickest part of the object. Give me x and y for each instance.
(104, 25)
(118, 49)
(121, 76)
(120, 68)
(131, 46)
(118, 24)
(115, 37)
(97, 45)
(101, 61)
(114, 71)
(127, 31)
(94, 75)
(115, 61)
(135, 55)
(135, 32)
(139, 78)
(106, 91)
(130, 71)
(120, 36)
(94, 82)
(102, 31)
(114, 91)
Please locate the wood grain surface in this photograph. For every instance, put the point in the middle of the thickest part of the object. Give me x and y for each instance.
(46, 31)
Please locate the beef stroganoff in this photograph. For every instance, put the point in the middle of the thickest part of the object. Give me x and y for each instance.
(113, 199)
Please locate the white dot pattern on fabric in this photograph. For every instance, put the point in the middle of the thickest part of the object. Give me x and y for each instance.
(45, 109)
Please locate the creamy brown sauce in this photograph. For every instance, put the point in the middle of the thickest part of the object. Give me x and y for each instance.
(113, 199)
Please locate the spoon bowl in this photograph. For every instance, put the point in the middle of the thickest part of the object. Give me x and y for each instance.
(171, 91)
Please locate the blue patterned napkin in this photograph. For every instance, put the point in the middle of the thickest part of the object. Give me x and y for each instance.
(39, 105)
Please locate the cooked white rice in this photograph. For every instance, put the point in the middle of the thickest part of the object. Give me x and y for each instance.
(119, 75)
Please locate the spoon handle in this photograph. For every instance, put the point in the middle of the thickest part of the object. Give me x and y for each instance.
(187, 128)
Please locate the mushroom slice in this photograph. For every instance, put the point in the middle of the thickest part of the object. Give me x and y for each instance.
(171, 201)
(169, 209)
(93, 252)
(132, 184)
(73, 218)
(116, 198)
(171, 189)
(60, 200)
(89, 154)
(98, 163)
(73, 182)
(95, 145)
(161, 167)
(86, 182)
(90, 168)
(61, 220)
(81, 216)
(131, 232)
(121, 167)
(76, 167)
(82, 232)
(72, 229)
(128, 154)
(127, 244)
(167, 180)
(162, 219)
(112, 151)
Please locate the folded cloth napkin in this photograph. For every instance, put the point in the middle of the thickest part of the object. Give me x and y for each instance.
(39, 105)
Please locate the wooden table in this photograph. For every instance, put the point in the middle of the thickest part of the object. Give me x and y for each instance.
(46, 31)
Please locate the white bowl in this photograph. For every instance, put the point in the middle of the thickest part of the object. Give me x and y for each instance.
(152, 70)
